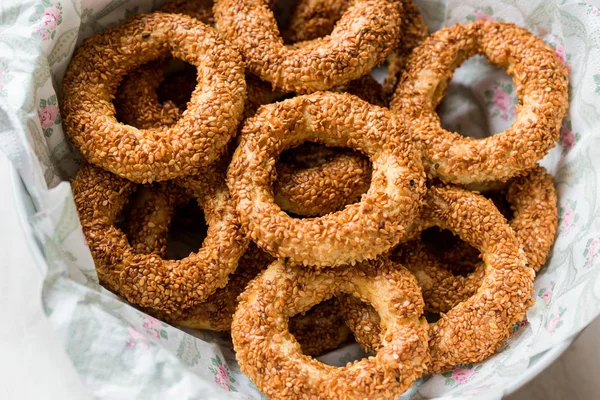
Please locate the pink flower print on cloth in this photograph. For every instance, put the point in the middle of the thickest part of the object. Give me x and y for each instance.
(136, 339)
(546, 292)
(49, 115)
(591, 253)
(555, 321)
(568, 138)
(461, 374)
(49, 17)
(221, 374)
(567, 217)
(502, 101)
(482, 14)
(155, 328)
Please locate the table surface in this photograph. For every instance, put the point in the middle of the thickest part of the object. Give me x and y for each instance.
(573, 376)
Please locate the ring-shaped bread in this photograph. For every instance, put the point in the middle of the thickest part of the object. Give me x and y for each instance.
(312, 19)
(364, 36)
(533, 203)
(362, 230)
(320, 330)
(145, 155)
(541, 82)
(476, 327)
(147, 279)
(273, 360)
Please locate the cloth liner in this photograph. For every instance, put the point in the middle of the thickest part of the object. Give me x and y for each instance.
(122, 353)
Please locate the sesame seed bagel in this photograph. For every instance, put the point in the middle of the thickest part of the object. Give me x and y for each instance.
(533, 201)
(476, 327)
(271, 357)
(362, 230)
(195, 140)
(361, 40)
(147, 225)
(313, 19)
(147, 279)
(541, 82)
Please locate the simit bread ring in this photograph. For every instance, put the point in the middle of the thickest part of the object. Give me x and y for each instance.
(273, 360)
(541, 83)
(362, 230)
(313, 19)
(362, 39)
(196, 140)
(473, 329)
(320, 330)
(532, 199)
(147, 279)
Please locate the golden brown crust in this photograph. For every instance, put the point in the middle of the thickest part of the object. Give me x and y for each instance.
(195, 141)
(362, 39)
(317, 190)
(216, 312)
(366, 88)
(146, 279)
(362, 230)
(541, 82)
(533, 202)
(313, 19)
(473, 329)
(269, 355)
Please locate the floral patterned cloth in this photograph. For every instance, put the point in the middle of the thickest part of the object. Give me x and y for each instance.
(121, 353)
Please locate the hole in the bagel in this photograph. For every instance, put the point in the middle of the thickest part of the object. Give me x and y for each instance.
(457, 255)
(282, 10)
(501, 203)
(187, 231)
(177, 87)
(121, 221)
(321, 330)
(432, 318)
(480, 100)
(303, 198)
(180, 82)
